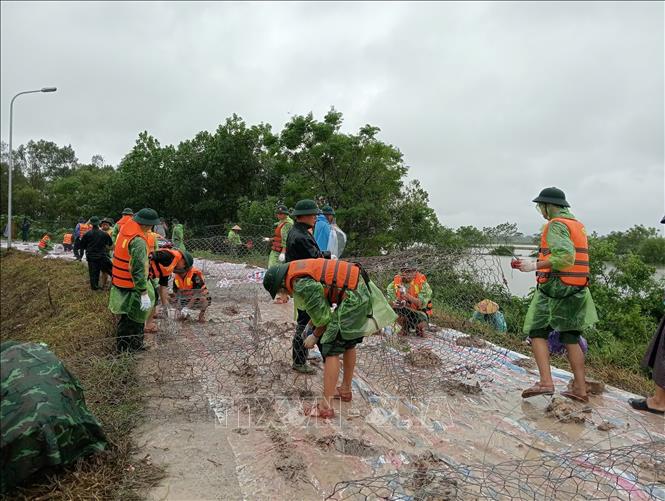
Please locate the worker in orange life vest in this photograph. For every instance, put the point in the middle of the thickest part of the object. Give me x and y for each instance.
(562, 300)
(45, 245)
(68, 241)
(343, 306)
(411, 297)
(132, 295)
(190, 288)
(278, 241)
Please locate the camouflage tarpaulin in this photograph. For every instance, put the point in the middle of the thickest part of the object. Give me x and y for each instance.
(43, 416)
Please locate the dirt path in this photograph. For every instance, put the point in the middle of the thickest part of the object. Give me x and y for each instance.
(227, 412)
(434, 418)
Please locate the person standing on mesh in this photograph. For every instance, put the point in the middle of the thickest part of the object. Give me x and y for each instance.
(562, 300)
(300, 244)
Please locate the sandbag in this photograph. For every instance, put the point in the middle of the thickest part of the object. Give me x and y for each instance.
(44, 421)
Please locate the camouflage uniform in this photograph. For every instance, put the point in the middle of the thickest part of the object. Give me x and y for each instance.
(44, 419)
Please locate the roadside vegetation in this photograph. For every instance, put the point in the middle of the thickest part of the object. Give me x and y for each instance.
(49, 301)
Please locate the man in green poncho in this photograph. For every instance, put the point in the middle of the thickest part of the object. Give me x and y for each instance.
(178, 235)
(132, 294)
(562, 300)
(278, 249)
(343, 306)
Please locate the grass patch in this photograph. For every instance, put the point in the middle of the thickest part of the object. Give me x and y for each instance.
(50, 301)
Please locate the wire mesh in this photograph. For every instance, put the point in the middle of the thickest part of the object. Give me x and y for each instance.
(236, 362)
(630, 472)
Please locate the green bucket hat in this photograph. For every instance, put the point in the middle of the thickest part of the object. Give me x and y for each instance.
(282, 209)
(552, 196)
(327, 210)
(94, 220)
(273, 280)
(189, 259)
(127, 211)
(108, 220)
(305, 208)
(147, 217)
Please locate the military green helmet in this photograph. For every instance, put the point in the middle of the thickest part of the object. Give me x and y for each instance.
(273, 280)
(282, 209)
(127, 211)
(552, 196)
(327, 210)
(94, 220)
(305, 208)
(147, 217)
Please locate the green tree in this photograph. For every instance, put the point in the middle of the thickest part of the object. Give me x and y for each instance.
(357, 174)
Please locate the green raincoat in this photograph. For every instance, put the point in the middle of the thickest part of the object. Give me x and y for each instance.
(425, 296)
(128, 301)
(234, 238)
(350, 319)
(554, 304)
(273, 260)
(178, 237)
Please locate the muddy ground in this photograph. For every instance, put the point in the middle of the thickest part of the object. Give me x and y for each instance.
(226, 409)
(433, 418)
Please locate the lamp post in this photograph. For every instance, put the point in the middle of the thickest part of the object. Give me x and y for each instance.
(11, 158)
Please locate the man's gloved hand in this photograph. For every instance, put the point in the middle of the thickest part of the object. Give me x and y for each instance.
(527, 266)
(310, 341)
(282, 257)
(146, 304)
(332, 256)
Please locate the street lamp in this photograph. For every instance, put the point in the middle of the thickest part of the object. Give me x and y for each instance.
(11, 158)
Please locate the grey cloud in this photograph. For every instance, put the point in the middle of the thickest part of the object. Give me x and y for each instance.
(489, 102)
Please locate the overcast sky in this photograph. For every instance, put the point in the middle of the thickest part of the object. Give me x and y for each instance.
(489, 102)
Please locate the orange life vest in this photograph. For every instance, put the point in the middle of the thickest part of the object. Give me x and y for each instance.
(122, 274)
(186, 282)
(124, 219)
(277, 239)
(44, 242)
(576, 275)
(158, 270)
(151, 238)
(67, 239)
(415, 287)
(83, 229)
(336, 276)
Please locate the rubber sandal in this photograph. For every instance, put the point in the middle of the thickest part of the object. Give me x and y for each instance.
(641, 405)
(574, 396)
(536, 390)
(343, 395)
(316, 411)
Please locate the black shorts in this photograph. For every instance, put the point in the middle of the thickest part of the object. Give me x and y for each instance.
(103, 264)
